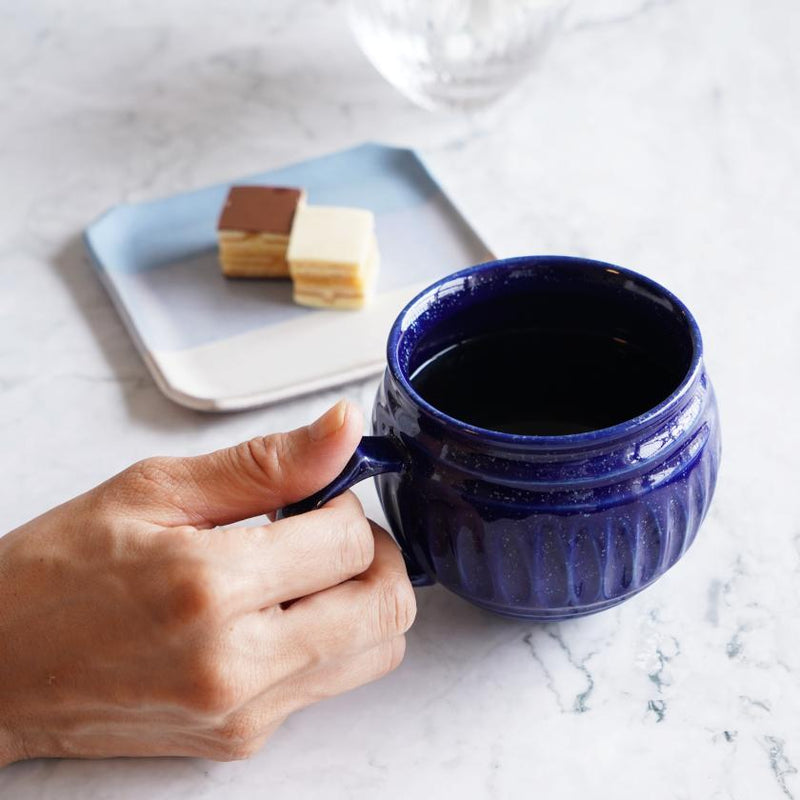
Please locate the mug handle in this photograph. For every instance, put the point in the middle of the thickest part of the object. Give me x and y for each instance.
(373, 456)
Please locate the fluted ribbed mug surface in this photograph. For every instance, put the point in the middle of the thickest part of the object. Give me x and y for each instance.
(554, 526)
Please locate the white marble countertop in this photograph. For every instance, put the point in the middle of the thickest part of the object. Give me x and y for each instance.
(662, 135)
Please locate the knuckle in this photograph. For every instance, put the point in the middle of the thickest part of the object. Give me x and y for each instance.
(356, 546)
(157, 471)
(191, 595)
(238, 731)
(158, 477)
(397, 606)
(265, 457)
(313, 655)
(176, 544)
(211, 690)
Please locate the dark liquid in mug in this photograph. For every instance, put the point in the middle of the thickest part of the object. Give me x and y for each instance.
(546, 382)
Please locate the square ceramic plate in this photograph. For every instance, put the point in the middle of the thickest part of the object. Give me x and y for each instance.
(216, 344)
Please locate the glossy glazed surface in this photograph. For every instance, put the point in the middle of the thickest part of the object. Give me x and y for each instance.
(691, 689)
(546, 527)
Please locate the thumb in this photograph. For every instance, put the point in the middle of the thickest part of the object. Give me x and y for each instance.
(251, 478)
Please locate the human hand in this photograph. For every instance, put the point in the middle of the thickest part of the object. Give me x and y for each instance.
(130, 626)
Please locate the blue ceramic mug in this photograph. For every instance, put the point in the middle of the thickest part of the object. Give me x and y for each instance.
(545, 527)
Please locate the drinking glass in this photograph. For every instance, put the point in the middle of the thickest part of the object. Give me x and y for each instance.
(454, 54)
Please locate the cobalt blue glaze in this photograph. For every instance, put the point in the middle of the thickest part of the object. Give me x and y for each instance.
(539, 527)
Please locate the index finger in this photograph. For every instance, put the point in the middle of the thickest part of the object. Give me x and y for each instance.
(271, 564)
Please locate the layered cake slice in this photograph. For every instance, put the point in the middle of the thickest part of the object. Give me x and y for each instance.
(333, 256)
(254, 228)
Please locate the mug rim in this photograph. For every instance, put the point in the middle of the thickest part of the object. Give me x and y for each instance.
(415, 307)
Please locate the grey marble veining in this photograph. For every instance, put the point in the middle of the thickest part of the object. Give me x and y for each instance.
(661, 134)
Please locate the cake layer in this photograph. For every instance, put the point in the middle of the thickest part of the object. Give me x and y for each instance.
(253, 255)
(334, 279)
(253, 258)
(337, 302)
(254, 248)
(331, 281)
(316, 272)
(263, 268)
(339, 295)
(234, 237)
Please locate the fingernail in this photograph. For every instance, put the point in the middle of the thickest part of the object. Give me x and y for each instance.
(330, 422)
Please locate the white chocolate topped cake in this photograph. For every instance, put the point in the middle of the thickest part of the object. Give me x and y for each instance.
(333, 256)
